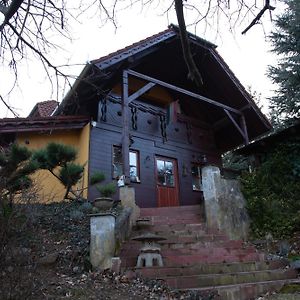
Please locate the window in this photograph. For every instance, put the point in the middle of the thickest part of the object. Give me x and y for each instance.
(196, 177)
(165, 172)
(133, 163)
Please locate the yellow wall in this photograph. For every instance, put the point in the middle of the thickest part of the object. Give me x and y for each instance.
(49, 188)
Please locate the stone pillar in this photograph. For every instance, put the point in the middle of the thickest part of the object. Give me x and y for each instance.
(102, 244)
(225, 206)
(127, 197)
(210, 181)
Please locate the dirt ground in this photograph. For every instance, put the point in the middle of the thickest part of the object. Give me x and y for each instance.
(46, 257)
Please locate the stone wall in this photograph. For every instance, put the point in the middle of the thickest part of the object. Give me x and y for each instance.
(225, 205)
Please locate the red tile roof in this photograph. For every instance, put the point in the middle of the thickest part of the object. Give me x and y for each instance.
(14, 125)
(43, 109)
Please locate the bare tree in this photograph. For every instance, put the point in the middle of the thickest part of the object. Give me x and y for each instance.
(27, 27)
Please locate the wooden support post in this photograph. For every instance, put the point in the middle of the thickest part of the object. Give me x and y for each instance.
(125, 128)
(235, 123)
(244, 127)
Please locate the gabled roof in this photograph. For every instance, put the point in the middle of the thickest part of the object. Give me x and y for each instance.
(15, 125)
(43, 109)
(160, 56)
(125, 53)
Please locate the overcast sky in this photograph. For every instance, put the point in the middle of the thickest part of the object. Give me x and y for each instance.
(247, 55)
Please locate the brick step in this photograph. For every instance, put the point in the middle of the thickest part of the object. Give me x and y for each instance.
(171, 211)
(245, 291)
(203, 252)
(129, 258)
(193, 238)
(172, 220)
(156, 272)
(188, 260)
(229, 244)
(177, 227)
(208, 280)
(215, 251)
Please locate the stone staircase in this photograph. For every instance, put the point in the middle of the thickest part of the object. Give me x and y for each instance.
(198, 259)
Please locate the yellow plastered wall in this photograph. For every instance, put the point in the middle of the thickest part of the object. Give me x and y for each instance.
(48, 187)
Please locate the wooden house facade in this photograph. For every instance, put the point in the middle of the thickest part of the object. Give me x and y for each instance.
(153, 125)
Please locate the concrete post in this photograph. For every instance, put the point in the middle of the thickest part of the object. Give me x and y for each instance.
(225, 206)
(127, 197)
(102, 244)
(210, 181)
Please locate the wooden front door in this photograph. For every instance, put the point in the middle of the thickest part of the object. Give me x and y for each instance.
(167, 182)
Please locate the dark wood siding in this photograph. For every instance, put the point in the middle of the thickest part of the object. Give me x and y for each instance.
(148, 141)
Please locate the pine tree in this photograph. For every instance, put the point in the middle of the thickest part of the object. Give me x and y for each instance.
(285, 105)
(15, 170)
(59, 159)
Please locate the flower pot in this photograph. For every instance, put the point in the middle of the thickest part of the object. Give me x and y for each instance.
(103, 203)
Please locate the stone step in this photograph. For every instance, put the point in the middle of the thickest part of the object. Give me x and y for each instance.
(209, 280)
(221, 268)
(244, 291)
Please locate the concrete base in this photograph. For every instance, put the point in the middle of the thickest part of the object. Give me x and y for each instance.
(102, 245)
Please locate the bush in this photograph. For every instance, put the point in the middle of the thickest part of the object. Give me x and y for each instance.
(97, 177)
(107, 190)
(273, 192)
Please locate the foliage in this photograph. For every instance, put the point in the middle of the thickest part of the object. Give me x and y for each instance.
(234, 161)
(97, 177)
(16, 192)
(285, 105)
(58, 159)
(107, 190)
(273, 192)
(15, 168)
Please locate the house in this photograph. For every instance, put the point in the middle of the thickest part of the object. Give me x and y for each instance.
(37, 132)
(148, 120)
(152, 124)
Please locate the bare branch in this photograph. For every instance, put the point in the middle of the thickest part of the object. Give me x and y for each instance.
(259, 15)
(9, 11)
(194, 73)
(8, 107)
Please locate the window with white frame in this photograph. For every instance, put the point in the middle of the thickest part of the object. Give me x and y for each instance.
(134, 171)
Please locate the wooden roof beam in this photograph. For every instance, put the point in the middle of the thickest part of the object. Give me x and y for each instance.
(242, 128)
(183, 91)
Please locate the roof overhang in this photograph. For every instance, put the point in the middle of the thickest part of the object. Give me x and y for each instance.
(160, 57)
(16, 125)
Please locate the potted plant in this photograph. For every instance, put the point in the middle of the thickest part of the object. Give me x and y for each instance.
(105, 201)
